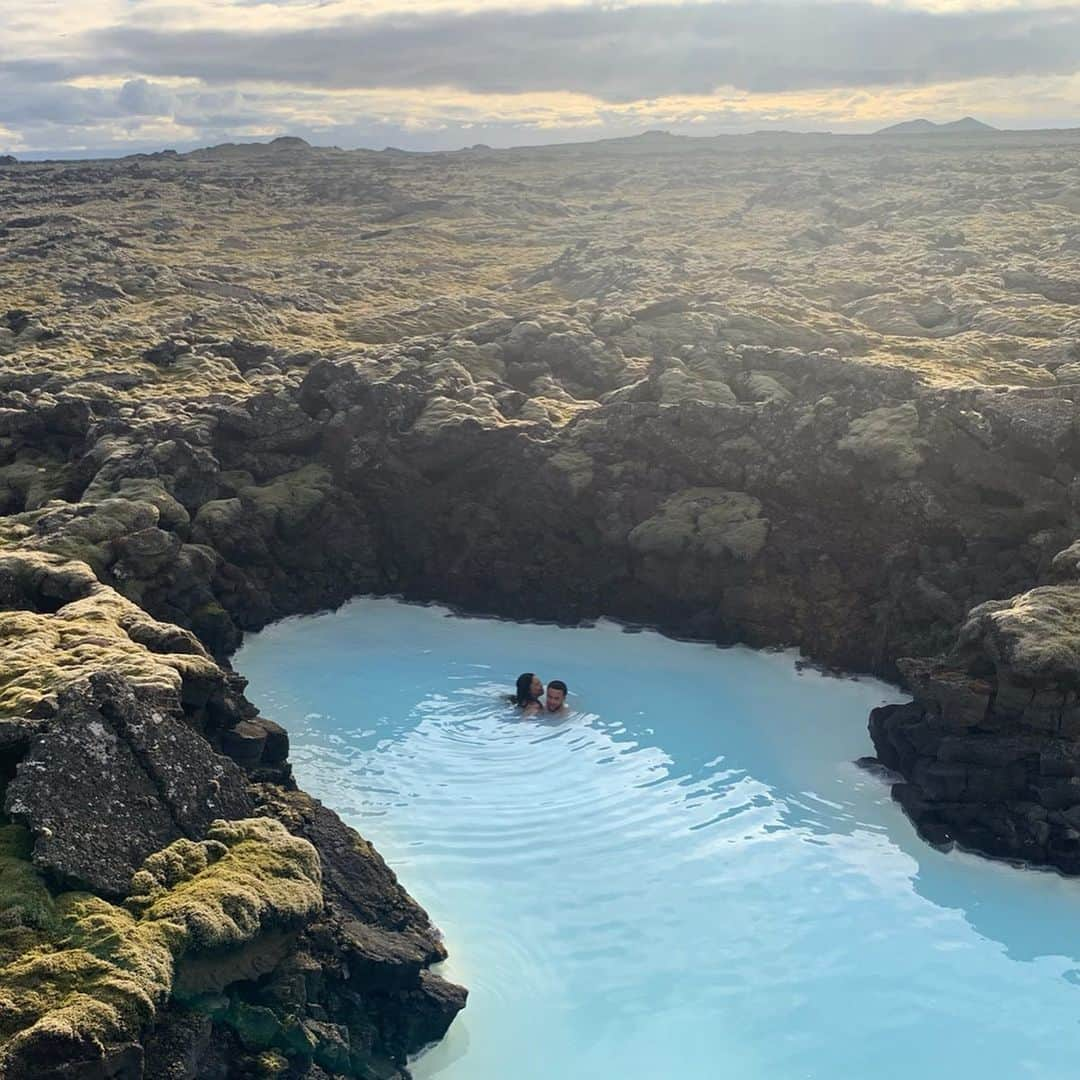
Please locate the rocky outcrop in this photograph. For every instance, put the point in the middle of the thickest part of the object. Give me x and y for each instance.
(80, 978)
(112, 779)
(372, 934)
(123, 745)
(348, 992)
(990, 747)
(205, 944)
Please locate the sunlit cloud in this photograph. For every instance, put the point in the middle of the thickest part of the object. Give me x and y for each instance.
(439, 72)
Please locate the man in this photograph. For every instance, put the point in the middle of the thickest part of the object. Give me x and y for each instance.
(555, 698)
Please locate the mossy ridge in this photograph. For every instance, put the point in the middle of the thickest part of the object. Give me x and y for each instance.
(93, 629)
(78, 973)
(95, 980)
(245, 875)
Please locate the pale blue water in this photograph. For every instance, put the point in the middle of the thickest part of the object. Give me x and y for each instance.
(687, 878)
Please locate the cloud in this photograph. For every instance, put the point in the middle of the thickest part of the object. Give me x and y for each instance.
(140, 97)
(617, 54)
(446, 73)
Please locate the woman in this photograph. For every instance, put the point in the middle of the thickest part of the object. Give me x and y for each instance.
(527, 693)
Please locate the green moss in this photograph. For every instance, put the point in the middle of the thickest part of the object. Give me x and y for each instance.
(255, 1025)
(245, 875)
(22, 892)
(209, 611)
(171, 512)
(96, 979)
(289, 500)
(26, 906)
(78, 973)
(1035, 635)
(887, 437)
(709, 522)
(35, 477)
(271, 1064)
(95, 629)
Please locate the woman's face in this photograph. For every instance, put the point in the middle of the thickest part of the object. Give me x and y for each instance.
(537, 687)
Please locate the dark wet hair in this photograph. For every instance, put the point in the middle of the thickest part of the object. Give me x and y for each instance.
(523, 694)
(558, 684)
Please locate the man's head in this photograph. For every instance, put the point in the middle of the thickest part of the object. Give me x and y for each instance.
(556, 695)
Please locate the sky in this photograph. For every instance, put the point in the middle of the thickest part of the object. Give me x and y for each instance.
(80, 76)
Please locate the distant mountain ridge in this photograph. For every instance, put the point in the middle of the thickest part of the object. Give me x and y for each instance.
(967, 125)
(653, 141)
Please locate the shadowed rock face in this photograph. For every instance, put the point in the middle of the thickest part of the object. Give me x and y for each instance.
(990, 748)
(859, 517)
(820, 392)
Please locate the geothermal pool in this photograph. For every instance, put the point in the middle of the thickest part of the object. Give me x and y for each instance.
(686, 878)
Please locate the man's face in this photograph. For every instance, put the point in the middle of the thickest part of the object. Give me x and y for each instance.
(554, 699)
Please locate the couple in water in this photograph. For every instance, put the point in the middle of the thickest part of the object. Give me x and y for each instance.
(530, 698)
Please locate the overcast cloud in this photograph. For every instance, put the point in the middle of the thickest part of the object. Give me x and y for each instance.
(621, 55)
(141, 72)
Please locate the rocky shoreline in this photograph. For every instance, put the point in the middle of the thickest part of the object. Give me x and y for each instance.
(598, 432)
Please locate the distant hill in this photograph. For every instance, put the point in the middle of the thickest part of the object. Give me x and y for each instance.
(281, 145)
(965, 126)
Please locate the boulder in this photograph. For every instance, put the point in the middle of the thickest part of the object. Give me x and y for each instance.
(1034, 637)
(113, 779)
(371, 934)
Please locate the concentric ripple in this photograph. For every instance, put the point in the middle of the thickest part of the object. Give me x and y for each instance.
(685, 878)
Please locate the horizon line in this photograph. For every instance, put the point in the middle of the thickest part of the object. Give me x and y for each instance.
(119, 153)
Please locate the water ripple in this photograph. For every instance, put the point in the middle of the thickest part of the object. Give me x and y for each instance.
(686, 877)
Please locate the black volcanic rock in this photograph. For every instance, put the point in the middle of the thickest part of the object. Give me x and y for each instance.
(989, 748)
(167, 352)
(112, 780)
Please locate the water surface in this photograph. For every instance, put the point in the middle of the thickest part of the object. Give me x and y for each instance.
(686, 878)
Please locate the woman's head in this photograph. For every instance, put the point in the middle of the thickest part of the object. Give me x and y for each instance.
(529, 688)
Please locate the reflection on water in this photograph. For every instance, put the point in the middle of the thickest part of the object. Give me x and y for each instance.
(687, 877)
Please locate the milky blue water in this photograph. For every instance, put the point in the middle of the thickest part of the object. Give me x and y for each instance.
(687, 877)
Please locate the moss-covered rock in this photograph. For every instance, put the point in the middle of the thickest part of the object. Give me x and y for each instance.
(704, 522)
(1034, 637)
(113, 778)
(90, 975)
(94, 981)
(888, 438)
(68, 626)
(246, 526)
(245, 875)
(26, 907)
(31, 481)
